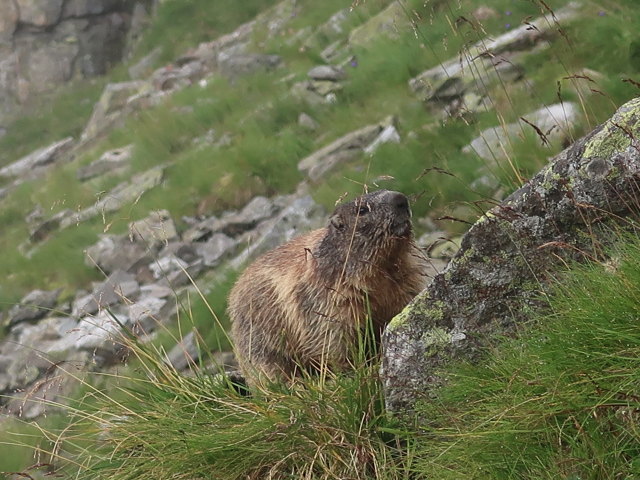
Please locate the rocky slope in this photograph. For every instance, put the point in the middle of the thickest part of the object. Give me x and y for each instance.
(46, 44)
(146, 271)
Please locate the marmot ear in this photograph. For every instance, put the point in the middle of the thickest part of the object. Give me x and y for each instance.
(337, 222)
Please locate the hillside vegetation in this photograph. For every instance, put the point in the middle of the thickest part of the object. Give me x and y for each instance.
(560, 402)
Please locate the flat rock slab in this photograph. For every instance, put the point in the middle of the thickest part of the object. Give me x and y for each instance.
(35, 305)
(327, 72)
(111, 162)
(345, 148)
(39, 158)
(124, 194)
(552, 124)
(120, 287)
(490, 60)
(156, 229)
(564, 213)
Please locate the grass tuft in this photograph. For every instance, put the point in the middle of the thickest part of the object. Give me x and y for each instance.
(562, 401)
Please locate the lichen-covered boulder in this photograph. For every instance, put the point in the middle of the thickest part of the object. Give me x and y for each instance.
(567, 211)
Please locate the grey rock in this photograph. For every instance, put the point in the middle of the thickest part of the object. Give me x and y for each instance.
(83, 8)
(232, 223)
(100, 334)
(35, 216)
(306, 91)
(258, 209)
(388, 135)
(331, 30)
(118, 252)
(156, 229)
(186, 251)
(487, 62)
(327, 72)
(5, 380)
(389, 22)
(10, 93)
(333, 51)
(41, 13)
(35, 305)
(347, 147)
(276, 18)
(147, 314)
(324, 88)
(141, 18)
(143, 67)
(300, 215)
(202, 230)
(306, 121)
(185, 353)
(494, 281)
(112, 105)
(41, 230)
(45, 43)
(214, 250)
(245, 64)
(39, 158)
(23, 357)
(8, 20)
(50, 64)
(554, 121)
(124, 194)
(119, 287)
(101, 42)
(175, 77)
(165, 266)
(112, 162)
(176, 277)
(51, 390)
(155, 290)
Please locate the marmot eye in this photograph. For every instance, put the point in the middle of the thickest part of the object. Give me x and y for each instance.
(364, 209)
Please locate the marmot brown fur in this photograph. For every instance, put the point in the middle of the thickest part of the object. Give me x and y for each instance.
(303, 304)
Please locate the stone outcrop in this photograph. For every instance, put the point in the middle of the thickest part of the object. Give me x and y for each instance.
(345, 148)
(40, 158)
(148, 270)
(114, 103)
(46, 43)
(112, 162)
(388, 22)
(35, 305)
(552, 124)
(462, 82)
(123, 194)
(565, 212)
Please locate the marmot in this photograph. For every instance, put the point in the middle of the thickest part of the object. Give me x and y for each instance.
(302, 305)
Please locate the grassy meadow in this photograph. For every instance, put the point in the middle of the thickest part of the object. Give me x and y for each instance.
(560, 402)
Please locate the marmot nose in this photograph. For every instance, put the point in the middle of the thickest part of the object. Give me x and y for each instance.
(398, 201)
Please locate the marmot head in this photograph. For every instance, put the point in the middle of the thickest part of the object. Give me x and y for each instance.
(377, 213)
(371, 226)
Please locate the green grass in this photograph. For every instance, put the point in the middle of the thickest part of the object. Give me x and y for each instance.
(266, 145)
(23, 444)
(180, 25)
(165, 425)
(260, 118)
(562, 400)
(51, 120)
